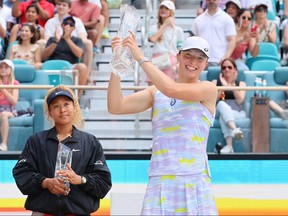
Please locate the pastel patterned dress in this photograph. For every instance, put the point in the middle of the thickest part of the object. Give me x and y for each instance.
(179, 175)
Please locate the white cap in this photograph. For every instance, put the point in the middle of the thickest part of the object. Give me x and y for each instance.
(169, 4)
(8, 62)
(236, 2)
(196, 42)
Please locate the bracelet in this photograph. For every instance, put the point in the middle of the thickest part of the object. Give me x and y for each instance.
(144, 59)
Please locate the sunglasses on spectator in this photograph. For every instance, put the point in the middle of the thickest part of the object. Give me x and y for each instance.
(68, 23)
(261, 9)
(244, 18)
(229, 67)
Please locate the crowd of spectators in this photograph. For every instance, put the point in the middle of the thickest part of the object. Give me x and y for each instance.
(92, 21)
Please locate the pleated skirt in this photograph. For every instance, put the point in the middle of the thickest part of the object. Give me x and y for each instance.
(179, 195)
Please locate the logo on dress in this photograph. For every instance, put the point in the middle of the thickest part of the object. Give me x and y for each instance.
(172, 102)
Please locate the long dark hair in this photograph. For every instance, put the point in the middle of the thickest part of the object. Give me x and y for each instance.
(37, 11)
(232, 62)
(33, 30)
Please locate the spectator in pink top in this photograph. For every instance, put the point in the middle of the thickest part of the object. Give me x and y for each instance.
(89, 13)
(46, 10)
(247, 37)
(8, 99)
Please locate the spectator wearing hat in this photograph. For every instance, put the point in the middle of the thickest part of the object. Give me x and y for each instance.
(54, 24)
(247, 38)
(8, 100)
(232, 8)
(69, 48)
(166, 36)
(218, 28)
(251, 4)
(75, 189)
(266, 28)
(183, 114)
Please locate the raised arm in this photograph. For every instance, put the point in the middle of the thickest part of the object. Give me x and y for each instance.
(183, 91)
(204, 92)
(133, 103)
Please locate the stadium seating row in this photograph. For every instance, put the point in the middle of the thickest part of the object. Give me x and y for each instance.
(23, 126)
(278, 126)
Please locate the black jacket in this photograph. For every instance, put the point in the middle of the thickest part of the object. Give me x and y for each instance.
(38, 160)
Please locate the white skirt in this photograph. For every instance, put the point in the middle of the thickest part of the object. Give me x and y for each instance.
(179, 195)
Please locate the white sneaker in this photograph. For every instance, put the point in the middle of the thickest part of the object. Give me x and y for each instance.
(3, 147)
(284, 114)
(238, 134)
(227, 149)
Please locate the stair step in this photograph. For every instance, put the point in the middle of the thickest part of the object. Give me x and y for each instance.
(140, 134)
(117, 126)
(103, 114)
(126, 144)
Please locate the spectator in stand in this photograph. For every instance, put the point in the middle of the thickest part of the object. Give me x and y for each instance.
(54, 24)
(8, 99)
(247, 37)
(104, 17)
(284, 26)
(266, 28)
(46, 10)
(69, 48)
(2, 35)
(32, 13)
(203, 6)
(166, 36)
(251, 4)
(232, 8)
(280, 109)
(6, 14)
(27, 49)
(218, 28)
(229, 106)
(90, 14)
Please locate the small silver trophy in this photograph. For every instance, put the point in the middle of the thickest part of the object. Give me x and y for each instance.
(64, 156)
(122, 63)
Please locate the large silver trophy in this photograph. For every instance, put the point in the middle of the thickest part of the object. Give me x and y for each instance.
(64, 156)
(122, 63)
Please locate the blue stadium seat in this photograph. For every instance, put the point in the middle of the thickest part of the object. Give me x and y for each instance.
(278, 126)
(267, 51)
(21, 127)
(9, 48)
(57, 74)
(19, 61)
(265, 65)
(215, 134)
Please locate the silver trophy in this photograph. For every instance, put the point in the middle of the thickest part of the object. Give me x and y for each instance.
(64, 156)
(122, 63)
